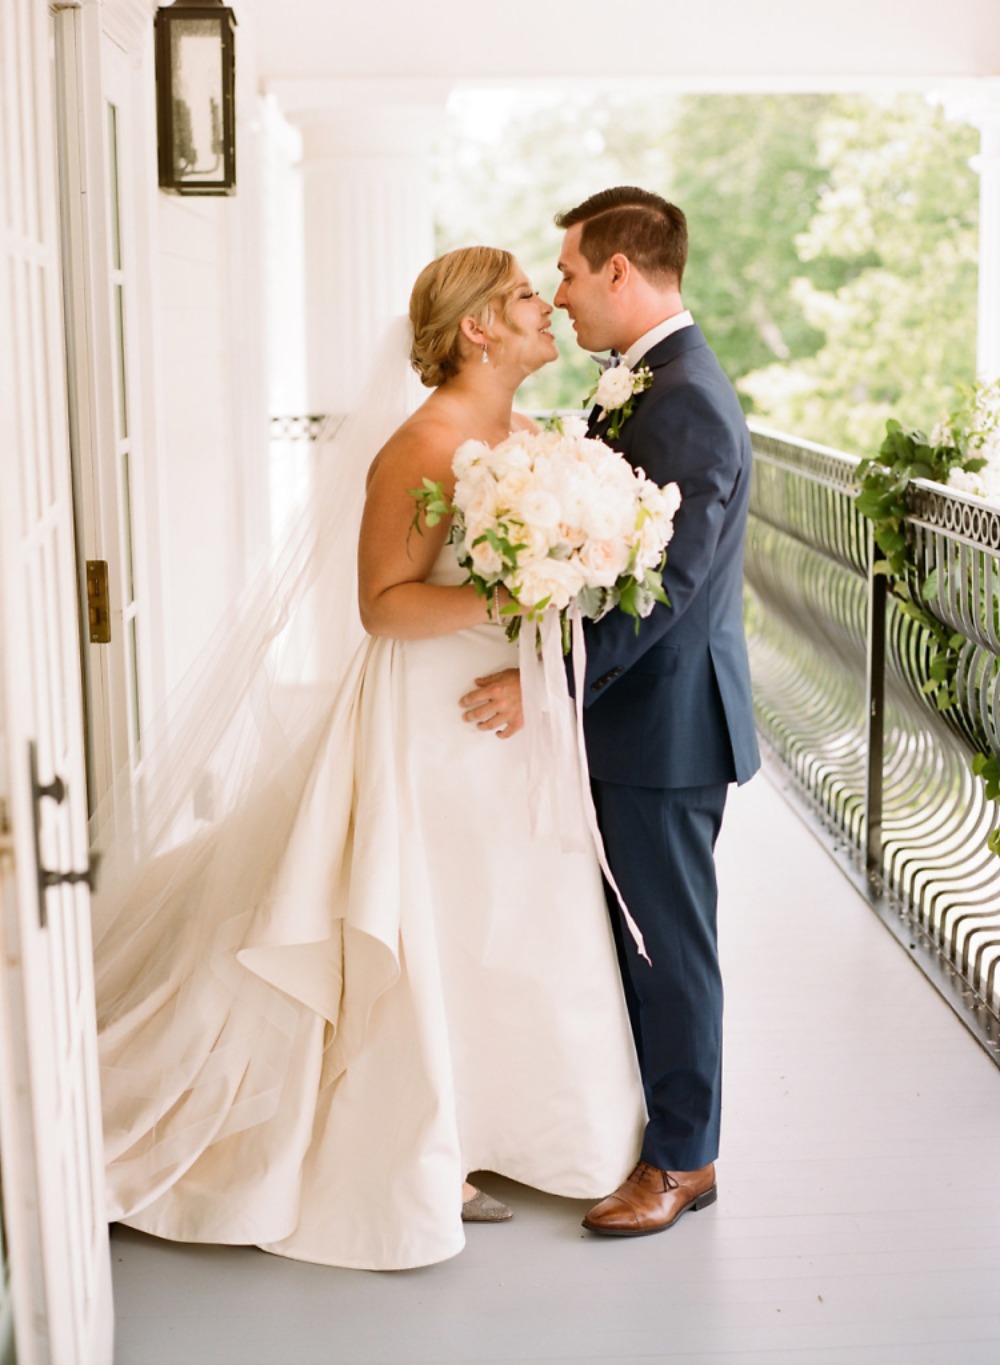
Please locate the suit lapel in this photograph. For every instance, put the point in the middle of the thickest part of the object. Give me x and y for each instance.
(686, 339)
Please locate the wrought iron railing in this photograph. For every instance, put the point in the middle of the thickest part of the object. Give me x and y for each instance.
(839, 673)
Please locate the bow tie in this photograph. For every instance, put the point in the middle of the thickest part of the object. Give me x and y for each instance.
(609, 361)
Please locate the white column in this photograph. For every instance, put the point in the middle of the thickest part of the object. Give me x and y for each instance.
(368, 217)
(978, 103)
(988, 337)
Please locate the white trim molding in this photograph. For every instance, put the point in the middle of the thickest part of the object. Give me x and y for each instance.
(979, 104)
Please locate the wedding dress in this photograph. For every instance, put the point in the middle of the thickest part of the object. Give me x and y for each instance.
(407, 988)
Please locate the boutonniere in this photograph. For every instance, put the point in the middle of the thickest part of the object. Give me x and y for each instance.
(616, 391)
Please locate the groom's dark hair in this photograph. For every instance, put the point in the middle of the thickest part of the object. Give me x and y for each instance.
(647, 229)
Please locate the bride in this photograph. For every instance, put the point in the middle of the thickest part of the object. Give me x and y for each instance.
(322, 1009)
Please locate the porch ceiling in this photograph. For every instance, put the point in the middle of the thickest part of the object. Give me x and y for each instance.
(704, 43)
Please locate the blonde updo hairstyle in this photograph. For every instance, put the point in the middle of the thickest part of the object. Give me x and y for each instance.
(460, 284)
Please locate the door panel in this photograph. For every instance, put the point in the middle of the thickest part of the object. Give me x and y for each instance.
(50, 1134)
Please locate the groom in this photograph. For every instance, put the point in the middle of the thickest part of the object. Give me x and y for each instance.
(668, 711)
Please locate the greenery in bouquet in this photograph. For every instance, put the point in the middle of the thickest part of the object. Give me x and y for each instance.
(560, 520)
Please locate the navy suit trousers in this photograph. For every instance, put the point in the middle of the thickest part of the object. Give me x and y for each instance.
(660, 843)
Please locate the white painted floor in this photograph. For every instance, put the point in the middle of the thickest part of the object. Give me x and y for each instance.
(858, 1221)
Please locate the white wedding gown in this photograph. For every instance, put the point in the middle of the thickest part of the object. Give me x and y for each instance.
(422, 991)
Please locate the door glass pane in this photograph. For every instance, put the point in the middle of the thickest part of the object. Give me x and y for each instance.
(119, 306)
(127, 519)
(133, 651)
(116, 218)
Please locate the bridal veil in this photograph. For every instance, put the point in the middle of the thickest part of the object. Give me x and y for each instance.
(193, 1046)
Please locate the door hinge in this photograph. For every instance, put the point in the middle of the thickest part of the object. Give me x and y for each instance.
(98, 605)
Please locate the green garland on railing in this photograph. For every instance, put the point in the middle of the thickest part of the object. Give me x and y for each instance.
(955, 443)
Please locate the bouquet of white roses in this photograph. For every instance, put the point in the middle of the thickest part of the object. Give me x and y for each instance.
(560, 520)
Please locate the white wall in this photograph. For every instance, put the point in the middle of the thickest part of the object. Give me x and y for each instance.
(211, 390)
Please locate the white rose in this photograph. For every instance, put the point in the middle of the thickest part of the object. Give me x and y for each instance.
(650, 541)
(574, 426)
(671, 499)
(571, 536)
(609, 512)
(477, 499)
(603, 562)
(485, 560)
(512, 453)
(614, 387)
(559, 580)
(510, 485)
(534, 541)
(536, 507)
(467, 456)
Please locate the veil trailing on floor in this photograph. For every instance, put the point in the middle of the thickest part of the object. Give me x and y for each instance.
(194, 1047)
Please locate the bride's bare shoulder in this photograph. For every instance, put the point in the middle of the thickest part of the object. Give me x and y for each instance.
(424, 444)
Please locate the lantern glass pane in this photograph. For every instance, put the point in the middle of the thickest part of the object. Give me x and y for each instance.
(196, 61)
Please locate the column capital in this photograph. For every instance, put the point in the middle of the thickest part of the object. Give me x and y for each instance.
(979, 105)
(975, 102)
(378, 118)
(368, 215)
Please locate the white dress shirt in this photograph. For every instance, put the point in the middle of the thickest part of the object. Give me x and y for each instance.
(655, 335)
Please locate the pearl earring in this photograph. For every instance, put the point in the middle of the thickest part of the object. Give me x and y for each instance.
(486, 358)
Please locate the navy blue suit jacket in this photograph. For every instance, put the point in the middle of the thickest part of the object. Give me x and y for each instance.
(671, 706)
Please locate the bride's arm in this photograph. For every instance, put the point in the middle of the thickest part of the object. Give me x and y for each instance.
(394, 560)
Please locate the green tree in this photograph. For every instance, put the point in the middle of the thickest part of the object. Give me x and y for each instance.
(900, 217)
(747, 173)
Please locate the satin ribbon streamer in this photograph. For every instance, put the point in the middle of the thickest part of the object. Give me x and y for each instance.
(556, 744)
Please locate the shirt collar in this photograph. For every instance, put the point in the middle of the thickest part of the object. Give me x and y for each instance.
(655, 335)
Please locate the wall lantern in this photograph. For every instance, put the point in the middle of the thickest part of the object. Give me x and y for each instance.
(195, 106)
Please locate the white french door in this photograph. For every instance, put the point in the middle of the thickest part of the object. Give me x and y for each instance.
(50, 1132)
(100, 117)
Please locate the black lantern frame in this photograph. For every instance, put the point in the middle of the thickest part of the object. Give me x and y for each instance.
(196, 130)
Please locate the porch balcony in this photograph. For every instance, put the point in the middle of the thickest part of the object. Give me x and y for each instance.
(145, 339)
(859, 1186)
(859, 1206)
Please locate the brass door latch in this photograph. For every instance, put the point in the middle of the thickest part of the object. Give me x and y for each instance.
(98, 604)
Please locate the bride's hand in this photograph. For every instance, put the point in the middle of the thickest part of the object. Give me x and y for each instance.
(495, 703)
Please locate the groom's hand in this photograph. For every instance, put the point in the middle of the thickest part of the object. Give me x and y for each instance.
(496, 703)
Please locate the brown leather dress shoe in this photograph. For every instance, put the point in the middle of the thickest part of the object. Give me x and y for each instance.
(652, 1200)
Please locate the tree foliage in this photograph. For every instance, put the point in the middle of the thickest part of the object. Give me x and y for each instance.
(833, 238)
(900, 216)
